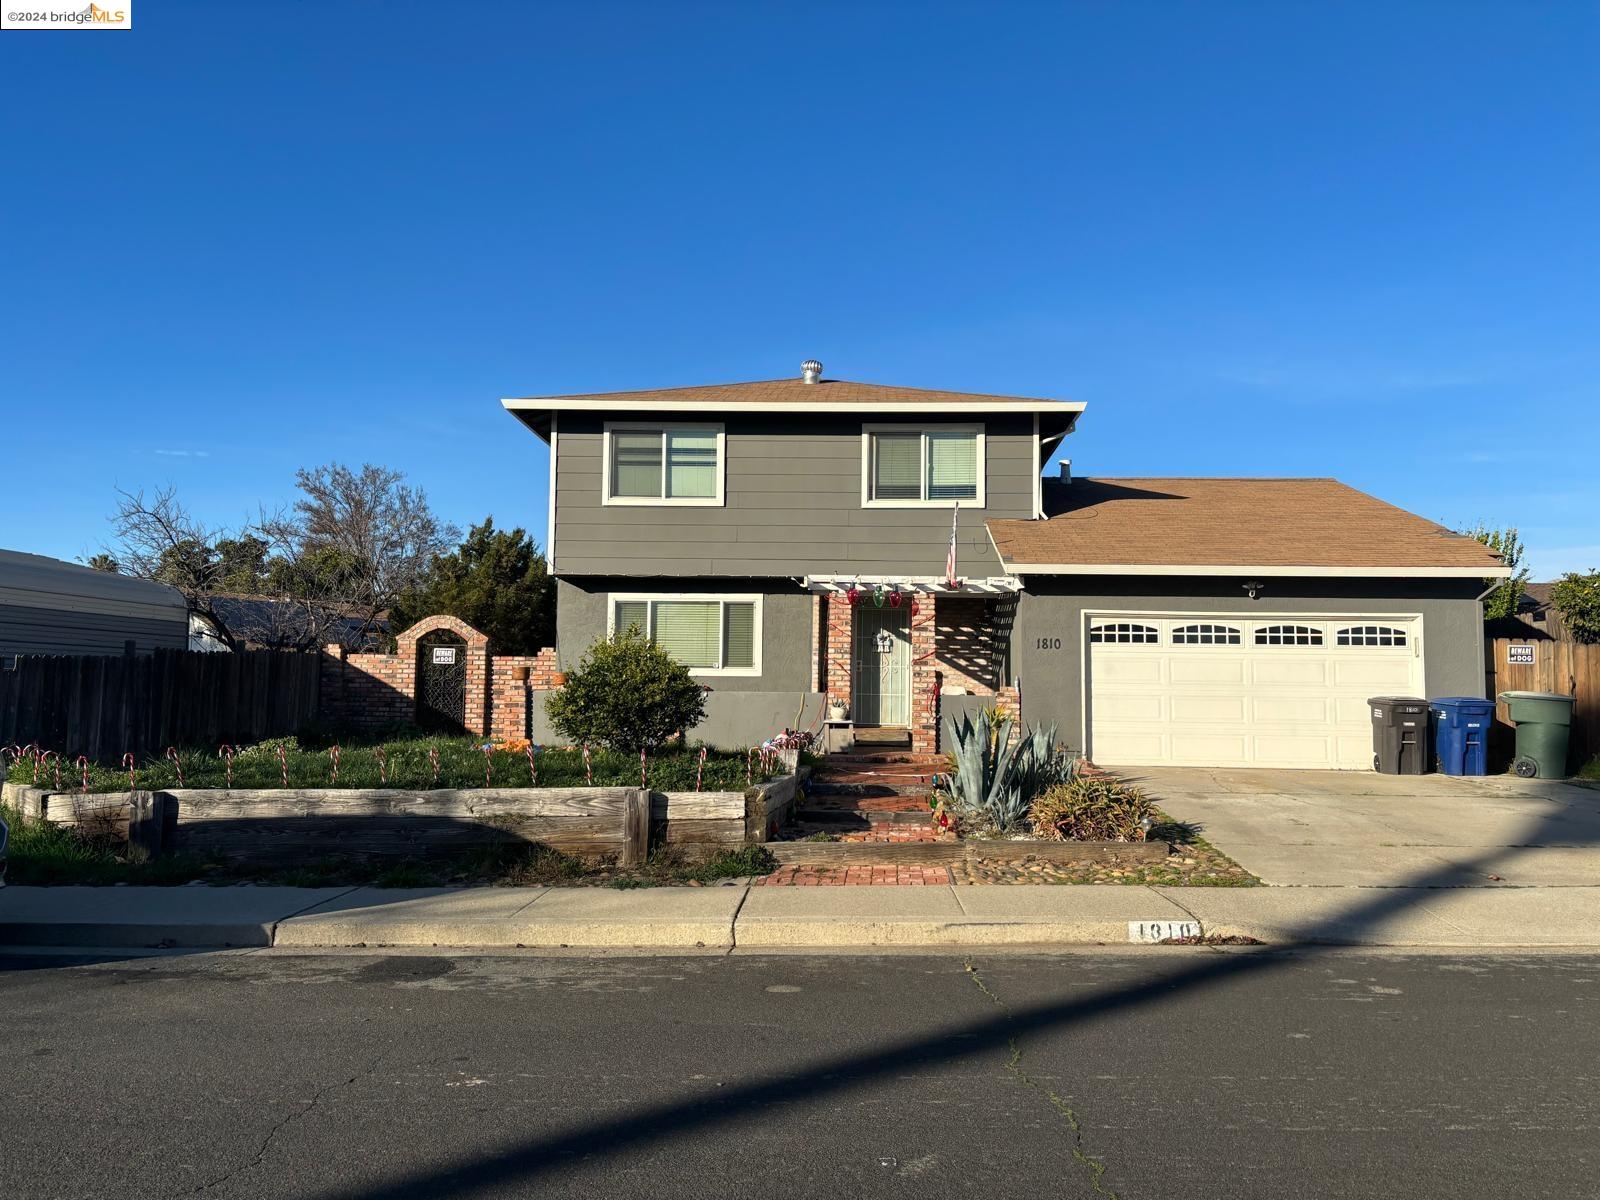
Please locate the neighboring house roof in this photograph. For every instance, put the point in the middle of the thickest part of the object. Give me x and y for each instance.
(274, 621)
(792, 395)
(1536, 610)
(34, 580)
(1232, 526)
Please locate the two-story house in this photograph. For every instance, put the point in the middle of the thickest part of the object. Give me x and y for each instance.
(897, 553)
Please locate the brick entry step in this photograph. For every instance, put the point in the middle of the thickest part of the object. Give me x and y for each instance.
(870, 797)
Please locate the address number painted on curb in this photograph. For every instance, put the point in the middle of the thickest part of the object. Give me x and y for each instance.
(1160, 931)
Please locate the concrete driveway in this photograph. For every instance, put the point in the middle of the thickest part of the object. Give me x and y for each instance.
(1353, 828)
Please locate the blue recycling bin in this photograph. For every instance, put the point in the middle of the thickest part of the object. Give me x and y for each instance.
(1462, 736)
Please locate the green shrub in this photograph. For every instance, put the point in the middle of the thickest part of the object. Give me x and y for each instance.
(628, 695)
(1577, 599)
(1092, 810)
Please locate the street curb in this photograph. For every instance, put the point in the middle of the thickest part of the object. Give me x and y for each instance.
(98, 935)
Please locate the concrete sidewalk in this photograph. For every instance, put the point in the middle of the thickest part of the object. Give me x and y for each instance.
(755, 918)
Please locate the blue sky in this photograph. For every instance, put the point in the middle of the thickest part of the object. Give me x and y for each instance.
(1349, 240)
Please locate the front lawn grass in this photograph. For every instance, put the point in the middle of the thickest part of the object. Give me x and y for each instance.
(404, 761)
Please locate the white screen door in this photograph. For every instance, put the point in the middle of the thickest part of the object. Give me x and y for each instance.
(882, 684)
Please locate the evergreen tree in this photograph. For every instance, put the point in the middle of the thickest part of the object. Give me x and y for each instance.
(496, 581)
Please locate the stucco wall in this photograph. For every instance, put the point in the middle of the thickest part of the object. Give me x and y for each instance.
(1053, 609)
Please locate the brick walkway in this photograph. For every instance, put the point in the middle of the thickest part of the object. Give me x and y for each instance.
(863, 875)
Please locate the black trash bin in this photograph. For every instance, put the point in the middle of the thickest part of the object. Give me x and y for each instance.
(1400, 742)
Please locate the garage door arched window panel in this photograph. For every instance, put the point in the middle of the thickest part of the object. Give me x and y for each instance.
(1205, 635)
(1370, 635)
(1124, 632)
(1288, 635)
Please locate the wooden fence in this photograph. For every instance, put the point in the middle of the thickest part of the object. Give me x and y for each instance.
(1566, 667)
(105, 707)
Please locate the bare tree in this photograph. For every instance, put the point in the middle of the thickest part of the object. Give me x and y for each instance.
(327, 569)
(158, 538)
(358, 540)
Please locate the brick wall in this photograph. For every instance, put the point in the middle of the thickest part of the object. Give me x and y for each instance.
(373, 691)
(512, 679)
(967, 652)
(925, 677)
(836, 616)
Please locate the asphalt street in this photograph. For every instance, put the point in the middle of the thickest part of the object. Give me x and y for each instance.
(1175, 1072)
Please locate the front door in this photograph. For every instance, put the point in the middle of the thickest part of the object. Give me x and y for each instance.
(882, 684)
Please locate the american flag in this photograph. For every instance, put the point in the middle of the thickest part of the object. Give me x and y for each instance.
(950, 559)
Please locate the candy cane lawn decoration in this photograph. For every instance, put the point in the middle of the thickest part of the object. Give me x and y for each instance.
(533, 769)
(283, 763)
(172, 757)
(38, 760)
(750, 767)
(383, 765)
(700, 769)
(588, 767)
(83, 765)
(488, 762)
(644, 773)
(127, 761)
(335, 753)
(55, 767)
(226, 752)
(433, 761)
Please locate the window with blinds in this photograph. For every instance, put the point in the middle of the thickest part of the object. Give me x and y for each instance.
(702, 634)
(664, 464)
(924, 467)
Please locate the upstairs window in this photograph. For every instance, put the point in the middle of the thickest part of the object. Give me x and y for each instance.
(674, 464)
(1288, 635)
(937, 465)
(706, 634)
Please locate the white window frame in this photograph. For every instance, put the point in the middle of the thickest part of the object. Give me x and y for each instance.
(977, 501)
(724, 599)
(664, 428)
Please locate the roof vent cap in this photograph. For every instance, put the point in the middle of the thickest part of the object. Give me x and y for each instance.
(810, 370)
(1065, 467)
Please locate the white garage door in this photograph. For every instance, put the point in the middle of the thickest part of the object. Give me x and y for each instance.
(1222, 691)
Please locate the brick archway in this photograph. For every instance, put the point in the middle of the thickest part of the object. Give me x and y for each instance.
(476, 717)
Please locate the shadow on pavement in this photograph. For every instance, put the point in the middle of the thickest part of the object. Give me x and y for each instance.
(536, 1157)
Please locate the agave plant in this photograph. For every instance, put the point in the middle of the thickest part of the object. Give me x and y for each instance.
(993, 780)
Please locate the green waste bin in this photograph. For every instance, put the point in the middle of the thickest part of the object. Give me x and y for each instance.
(1542, 720)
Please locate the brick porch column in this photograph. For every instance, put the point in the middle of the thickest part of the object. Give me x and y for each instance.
(837, 617)
(925, 678)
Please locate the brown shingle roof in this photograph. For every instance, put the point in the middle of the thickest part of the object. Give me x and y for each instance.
(793, 393)
(1280, 524)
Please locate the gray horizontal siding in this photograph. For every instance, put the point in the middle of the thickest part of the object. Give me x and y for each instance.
(792, 506)
(28, 630)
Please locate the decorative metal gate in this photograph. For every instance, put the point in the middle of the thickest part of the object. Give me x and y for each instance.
(882, 684)
(442, 682)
